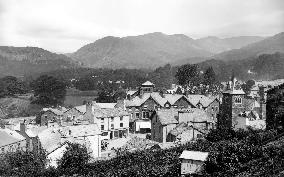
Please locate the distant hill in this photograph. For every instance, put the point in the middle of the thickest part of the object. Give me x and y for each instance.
(263, 67)
(267, 46)
(20, 61)
(144, 51)
(154, 49)
(216, 45)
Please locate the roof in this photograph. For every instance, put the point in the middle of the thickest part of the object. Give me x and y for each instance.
(131, 92)
(173, 98)
(137, 101)
(55, 111)
(202, 99)
(8, 136)
(50, 139)
(167, 116)
(235, 92)
(179, 129)
(106, 105)
(80, 130)
(196, 115)
(194, 155)
(147, 83)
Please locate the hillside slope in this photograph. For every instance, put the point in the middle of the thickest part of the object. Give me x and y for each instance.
(217, 45)
(144, 51)
(20, 61)
(267, 46)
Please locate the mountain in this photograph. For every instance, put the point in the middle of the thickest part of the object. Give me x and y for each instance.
(20, 61)
(144, 51)
(216, 45)
(267, 46)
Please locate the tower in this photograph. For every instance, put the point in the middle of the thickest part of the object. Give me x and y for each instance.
(232, 104)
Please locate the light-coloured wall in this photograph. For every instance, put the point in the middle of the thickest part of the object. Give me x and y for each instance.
(190, 166)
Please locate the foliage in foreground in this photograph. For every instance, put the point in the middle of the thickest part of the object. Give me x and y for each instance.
(245, 154)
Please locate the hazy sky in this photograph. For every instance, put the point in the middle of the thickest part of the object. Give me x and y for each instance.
(66, 25)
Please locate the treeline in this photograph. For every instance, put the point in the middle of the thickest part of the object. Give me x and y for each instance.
(10, 86)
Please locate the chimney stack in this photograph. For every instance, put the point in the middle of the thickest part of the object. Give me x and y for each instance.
(23, 127)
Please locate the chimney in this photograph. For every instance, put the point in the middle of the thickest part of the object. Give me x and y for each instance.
(23, 127)
(161, 94)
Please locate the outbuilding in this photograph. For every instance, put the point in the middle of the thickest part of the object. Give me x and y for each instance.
(192, 162)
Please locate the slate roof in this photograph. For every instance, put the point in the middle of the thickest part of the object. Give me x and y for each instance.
(131, 92)
(196, 115)
(172, 98)
(137, 101)
(167, 116)
(8, 136)
(202, 99)
(194, 155)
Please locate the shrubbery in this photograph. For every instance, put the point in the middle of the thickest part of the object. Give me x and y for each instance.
(243, 155)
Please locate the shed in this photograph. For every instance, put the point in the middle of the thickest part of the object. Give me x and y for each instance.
(192, 161)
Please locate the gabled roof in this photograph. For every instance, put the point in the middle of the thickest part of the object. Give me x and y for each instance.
(8, 136)
(173, 98)
(167, 116)
(201, 99)
(106, 105)
(147, 83)
(194, 155)
(137, 101)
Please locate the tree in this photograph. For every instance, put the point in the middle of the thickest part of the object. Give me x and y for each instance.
(179, 91)
(188, 75)
(209, 77)
(49, 91)
(248, 86)
(74, 159)
(22, 164)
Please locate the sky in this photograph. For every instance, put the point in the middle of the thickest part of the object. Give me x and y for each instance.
(64, 26)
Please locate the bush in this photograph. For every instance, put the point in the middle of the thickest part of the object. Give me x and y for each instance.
(73, 160)
(22, 164)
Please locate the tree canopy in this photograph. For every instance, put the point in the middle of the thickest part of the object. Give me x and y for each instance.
(49, 91)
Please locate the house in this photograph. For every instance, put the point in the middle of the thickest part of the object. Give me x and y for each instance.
(11, 141)
(49, 115)
(113, 122)
(162, 122)
(148, 100)
(210, 105)
(167, 125)
(192, 162)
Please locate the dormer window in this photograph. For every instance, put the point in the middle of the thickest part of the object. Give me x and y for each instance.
(238, 100)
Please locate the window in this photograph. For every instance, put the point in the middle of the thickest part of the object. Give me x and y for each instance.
(147, 114)
(238, 100)
(102, 127)
(144, 114)
(102, 120)
(112, 126)
(112, 119)
(74, 117)
(121, 124)
(121, 118)
(137, 114)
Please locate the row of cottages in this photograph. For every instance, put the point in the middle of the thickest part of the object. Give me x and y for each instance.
(171, 125)
(239, 110)
(112, 121)
(145, 101)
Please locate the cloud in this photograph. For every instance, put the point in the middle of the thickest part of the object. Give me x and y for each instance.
(66, 25)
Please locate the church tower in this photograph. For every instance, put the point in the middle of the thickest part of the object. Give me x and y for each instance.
(232, 104)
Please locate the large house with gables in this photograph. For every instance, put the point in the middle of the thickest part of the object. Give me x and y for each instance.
(147, 100)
